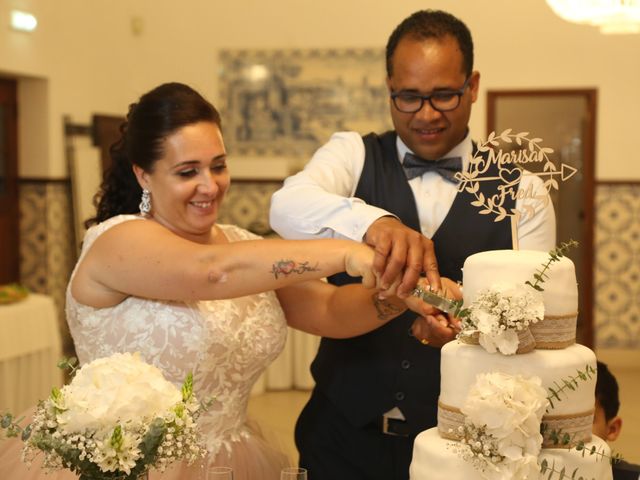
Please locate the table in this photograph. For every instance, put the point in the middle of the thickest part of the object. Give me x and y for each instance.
(30, 348)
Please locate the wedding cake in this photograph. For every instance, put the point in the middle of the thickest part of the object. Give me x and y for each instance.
(517, 392)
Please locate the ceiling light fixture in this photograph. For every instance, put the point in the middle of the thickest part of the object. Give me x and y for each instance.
(23, 21)
(612, 16)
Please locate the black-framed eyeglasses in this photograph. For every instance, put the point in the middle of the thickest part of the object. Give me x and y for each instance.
(440, 100)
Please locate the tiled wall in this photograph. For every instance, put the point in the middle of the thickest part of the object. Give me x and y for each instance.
(247, 205)
(617, 266)
(47, 254)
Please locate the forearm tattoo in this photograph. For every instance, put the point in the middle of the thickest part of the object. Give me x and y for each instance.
(385, 308)
(284, 268)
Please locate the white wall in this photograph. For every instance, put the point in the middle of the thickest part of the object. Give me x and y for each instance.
(84, 58)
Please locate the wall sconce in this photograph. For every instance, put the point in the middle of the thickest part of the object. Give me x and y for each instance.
(23, 21)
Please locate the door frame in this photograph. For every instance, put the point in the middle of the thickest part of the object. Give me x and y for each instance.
(10, 272)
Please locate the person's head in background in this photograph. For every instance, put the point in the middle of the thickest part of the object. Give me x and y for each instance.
(606, 422)
(431, 53)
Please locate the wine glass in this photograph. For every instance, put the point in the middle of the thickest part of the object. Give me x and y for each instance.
(293, 473)
(219, 473)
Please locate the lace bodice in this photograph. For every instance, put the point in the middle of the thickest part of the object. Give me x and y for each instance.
(225, 343)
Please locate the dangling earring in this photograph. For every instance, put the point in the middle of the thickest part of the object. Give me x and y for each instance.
(145, 202)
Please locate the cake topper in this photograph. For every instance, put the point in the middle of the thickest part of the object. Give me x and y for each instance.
(511, 166)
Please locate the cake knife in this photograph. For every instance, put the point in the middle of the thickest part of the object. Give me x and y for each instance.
(442, 303)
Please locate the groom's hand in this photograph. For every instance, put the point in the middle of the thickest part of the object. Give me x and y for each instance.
(435, 330)
(399, 248)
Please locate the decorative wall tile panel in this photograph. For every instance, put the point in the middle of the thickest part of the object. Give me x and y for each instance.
(60, 242)
(247, 205)
(46, 244)
(617, 266)
(288, 102)
(33, 236)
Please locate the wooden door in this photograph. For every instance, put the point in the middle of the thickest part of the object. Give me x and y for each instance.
(106, 131)
(9, 253)
(565, 119)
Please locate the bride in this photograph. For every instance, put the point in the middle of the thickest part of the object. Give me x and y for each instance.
(158, 275)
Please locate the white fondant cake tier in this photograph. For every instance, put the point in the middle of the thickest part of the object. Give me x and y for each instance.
(485, 269)
(461, 363)
(435, 459)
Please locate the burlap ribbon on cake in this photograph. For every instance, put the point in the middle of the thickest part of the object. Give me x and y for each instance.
(526, 342)
(553, 332)
(561, 431)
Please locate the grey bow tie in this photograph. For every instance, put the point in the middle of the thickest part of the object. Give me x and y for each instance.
(414, 166)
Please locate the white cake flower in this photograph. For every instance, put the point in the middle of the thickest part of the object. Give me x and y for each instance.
(502, 425)
(500, 312)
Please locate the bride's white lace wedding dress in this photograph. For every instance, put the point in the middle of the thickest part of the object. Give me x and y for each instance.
(227, 344)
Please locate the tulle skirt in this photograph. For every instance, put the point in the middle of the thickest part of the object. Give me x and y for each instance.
(251, 458)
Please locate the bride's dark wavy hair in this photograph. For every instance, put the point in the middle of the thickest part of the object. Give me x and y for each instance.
(157, 114)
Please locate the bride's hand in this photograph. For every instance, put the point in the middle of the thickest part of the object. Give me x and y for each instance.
(358, 262)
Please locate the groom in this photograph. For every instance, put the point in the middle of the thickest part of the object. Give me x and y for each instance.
(395, 191)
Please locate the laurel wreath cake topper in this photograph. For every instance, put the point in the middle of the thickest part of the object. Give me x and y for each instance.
(511, 167)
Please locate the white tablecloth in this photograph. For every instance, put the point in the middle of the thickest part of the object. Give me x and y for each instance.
(30, 349)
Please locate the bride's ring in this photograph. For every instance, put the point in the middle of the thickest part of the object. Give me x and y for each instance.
(424, 341)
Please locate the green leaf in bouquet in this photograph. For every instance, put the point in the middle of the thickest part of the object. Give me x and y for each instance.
(70, 364)
(12, 426)
(116, 438)
(7, 420)
(187, 387)
(26, 433)
(152, 440)
(56, 395)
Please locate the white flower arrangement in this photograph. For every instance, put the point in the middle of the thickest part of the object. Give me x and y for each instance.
(499, 313)
(501, 435)
(117, 419)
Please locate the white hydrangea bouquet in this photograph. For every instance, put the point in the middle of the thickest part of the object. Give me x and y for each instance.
(117, 418)
(501, 434)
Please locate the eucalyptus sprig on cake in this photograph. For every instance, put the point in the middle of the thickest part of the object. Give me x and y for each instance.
(555, 472)
(571, 383)
(560, 438)
(554, 256)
